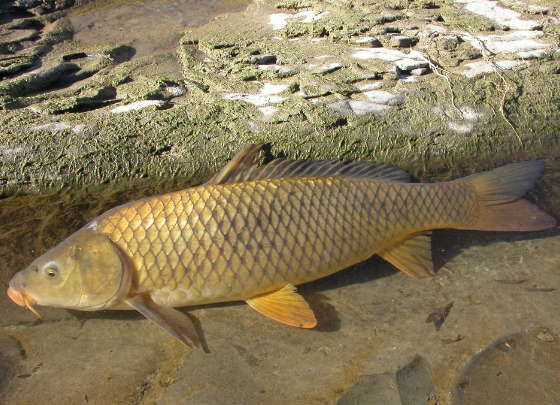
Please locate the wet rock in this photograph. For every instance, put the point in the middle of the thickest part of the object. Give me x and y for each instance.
(415, 384)
(12, 355)
(126, 363)
(522, 362)
(546, 336)
(376, 389)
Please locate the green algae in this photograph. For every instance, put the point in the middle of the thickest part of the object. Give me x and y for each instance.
(198, 131)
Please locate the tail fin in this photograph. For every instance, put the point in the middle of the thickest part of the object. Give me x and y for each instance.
(499, 193)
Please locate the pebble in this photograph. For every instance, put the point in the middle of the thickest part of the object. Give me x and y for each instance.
(403, 41)
(411, 64)
(174, 91)
(546, 336)
(373, 42)
(266, 60)
(420, 71)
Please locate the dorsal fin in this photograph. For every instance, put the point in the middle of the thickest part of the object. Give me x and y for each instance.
(242, 162)
(244, 168)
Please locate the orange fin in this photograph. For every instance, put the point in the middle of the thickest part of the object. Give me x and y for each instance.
(285, 306)
(172, 321)
(412, 255)
(500, 206)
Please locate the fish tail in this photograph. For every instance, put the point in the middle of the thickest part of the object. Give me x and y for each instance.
(500, 205)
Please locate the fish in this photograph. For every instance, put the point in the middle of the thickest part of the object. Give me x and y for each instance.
(254, 232)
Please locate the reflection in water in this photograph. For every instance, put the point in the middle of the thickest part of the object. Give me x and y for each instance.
(148, 26)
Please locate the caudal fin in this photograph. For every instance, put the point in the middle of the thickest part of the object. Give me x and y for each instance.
(499, 193)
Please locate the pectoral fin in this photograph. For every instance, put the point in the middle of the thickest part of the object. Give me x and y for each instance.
(172, 321)
(412, 255)
(285, 306)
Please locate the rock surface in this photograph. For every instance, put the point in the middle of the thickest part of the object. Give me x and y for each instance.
(204, 72)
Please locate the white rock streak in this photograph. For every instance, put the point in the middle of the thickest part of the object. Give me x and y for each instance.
(265, 97)
(477, 68)
(138, 105)
(518, 42)
(504, 16)
(280, 20)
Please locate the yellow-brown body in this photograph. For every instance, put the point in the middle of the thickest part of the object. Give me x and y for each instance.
(231, 242)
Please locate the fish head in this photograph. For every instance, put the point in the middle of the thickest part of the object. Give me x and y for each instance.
(87, 272)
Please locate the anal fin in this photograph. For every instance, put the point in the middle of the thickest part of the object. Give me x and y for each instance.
(412, 255)
(172, 321)
(285, 306)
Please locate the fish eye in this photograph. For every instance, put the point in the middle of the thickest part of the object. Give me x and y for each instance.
(51, 270)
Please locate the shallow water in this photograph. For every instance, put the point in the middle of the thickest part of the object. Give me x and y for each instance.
(148, 26)
(372, 342)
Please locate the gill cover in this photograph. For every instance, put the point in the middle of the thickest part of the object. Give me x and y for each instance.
(87, 272)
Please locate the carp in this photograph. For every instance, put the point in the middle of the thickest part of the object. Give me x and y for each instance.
(252, 233)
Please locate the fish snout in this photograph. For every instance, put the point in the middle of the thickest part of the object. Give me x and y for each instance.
(16, 296)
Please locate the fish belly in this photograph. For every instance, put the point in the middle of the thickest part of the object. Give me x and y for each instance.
(230, 242)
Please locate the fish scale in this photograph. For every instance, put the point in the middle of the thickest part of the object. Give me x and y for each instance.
(251, 233)
(231, 242)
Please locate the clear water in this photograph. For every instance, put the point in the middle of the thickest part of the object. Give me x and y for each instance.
(149, 26)
(372, 340)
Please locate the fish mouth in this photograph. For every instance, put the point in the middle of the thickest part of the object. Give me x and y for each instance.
(22, 300)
